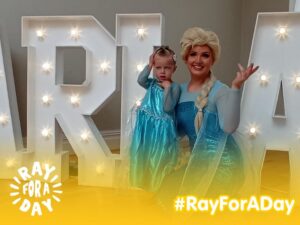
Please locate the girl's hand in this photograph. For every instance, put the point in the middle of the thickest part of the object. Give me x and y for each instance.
(242, 75)
(165, 83)
(151, 60)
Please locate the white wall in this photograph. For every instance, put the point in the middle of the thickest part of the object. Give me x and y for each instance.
(232, 20)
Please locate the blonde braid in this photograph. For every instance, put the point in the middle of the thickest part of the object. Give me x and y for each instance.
(202, 100)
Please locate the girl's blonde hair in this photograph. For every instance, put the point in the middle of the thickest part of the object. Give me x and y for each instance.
(197, 36)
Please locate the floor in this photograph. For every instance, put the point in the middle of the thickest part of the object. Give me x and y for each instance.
(96, 205)
(275, 174)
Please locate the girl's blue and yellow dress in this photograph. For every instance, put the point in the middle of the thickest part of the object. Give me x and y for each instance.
(154, 145)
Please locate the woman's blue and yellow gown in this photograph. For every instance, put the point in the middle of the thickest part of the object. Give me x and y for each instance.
(154, 146)
(215, 166)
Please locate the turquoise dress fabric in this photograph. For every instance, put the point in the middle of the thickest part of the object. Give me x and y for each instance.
(215, 166)
(154, 146)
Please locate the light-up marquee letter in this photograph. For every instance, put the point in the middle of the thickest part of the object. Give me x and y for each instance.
(55, 108)
(53, 105)
(269, 128)
(11, 145)
(138, 33)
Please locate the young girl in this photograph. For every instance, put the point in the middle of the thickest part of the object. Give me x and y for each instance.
(154, 147)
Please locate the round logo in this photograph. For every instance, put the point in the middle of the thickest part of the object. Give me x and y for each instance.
(35, 189)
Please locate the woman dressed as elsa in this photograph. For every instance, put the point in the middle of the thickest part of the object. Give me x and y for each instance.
(208, 113)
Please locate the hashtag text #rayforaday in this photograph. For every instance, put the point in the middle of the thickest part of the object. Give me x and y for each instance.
(263, 203)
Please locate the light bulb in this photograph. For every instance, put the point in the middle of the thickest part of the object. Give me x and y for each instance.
(47, 99)
(104, 66)
(47, 67)
(75, 99)
(295, 80)
(46, 132)
(141, 32)
(139, 67)
(10, 163)
(85, 136)
(41, 33)
(264, 79)
(138, 103)
(99, 169)
(4, 119)
(282, 32)
(75, 33)
(298, 134)
(252, 130)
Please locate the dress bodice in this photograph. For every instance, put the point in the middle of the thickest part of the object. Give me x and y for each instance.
(186, 111)
(185, 116)
(153, 102)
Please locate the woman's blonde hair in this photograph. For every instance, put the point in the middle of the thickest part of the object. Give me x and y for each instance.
(197, 36)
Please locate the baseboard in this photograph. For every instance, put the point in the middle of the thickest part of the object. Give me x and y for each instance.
(111, 137)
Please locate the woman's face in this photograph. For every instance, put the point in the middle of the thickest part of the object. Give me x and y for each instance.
(199, 61)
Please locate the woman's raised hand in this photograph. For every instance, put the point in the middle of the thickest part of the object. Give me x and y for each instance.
(242, 75)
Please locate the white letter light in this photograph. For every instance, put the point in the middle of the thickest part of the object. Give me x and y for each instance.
(136, 51)
(46, 142)
(11, 145)
(281, 60)
(62, 110)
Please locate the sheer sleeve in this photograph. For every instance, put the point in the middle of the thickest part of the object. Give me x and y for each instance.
(228, 102)
(171, 97)
(143, 78)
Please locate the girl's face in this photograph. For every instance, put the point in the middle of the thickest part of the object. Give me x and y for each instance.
(199, 61)
(163, 67)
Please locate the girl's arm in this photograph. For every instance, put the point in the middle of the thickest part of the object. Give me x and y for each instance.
(143, 78)
(171, 96)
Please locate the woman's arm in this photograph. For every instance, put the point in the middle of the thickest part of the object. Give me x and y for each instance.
(228, 102)
(229, 99)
